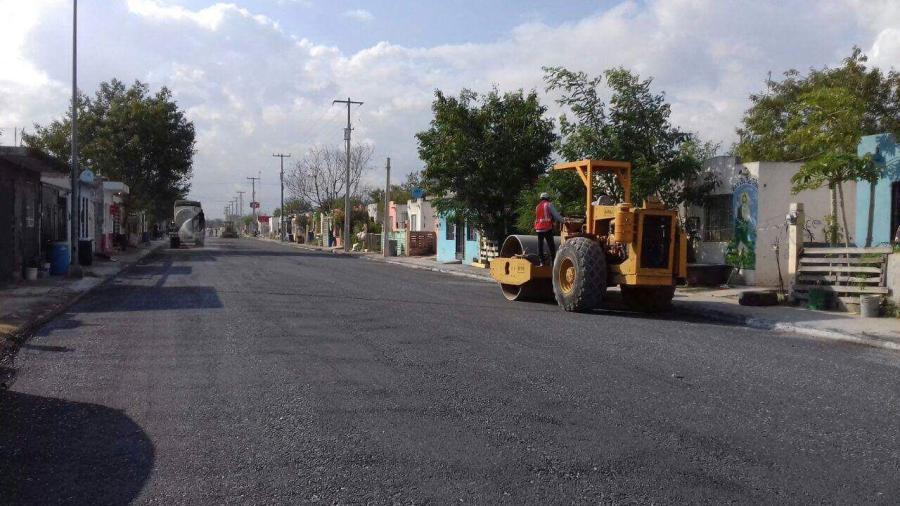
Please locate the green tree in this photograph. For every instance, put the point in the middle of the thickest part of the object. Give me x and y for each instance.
(634, 126)
(400, 193)
(825, 123)
(767, 123)
(293, 206)
(132, 135)
(864, 101)
(480, 151)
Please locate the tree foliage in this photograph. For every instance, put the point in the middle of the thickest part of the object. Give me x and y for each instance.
(132, 135)
(480, 151)
(399, 192)
(633, 126)
(319, 177)
(766, 132)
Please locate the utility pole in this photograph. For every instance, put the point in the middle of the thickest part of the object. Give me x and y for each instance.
(386, 241)
(281, 217)
(73, 177)
(241, 203)
(347, 178)
(253, 202)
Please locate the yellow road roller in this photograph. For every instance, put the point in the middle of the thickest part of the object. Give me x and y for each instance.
(643, 250)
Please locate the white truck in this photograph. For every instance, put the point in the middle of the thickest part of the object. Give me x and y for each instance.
(189, 225)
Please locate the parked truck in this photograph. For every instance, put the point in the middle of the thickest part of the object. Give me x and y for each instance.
(188, 225)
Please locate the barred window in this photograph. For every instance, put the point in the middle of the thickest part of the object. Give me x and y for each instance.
(718, 217)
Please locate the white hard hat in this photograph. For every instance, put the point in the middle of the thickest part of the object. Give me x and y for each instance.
(545, 196)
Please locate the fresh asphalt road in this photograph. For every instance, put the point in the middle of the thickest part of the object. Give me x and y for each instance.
(250, 372)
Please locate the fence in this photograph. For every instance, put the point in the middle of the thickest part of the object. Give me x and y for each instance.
(420, 243)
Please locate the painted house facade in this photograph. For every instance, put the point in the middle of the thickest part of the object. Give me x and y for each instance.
(886, 194)
(421, 215)
(457, 241)
(744, 218)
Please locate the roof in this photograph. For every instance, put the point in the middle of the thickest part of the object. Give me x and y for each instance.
(32, 159)
(115, 186)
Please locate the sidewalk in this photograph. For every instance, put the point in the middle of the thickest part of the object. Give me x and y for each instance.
(26, 305)
(721, 305)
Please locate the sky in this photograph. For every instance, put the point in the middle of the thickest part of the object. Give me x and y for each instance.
(257, 77)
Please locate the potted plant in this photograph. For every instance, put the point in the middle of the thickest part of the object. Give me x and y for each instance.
(31, 271)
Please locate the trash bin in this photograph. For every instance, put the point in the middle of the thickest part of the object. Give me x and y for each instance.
(59, 258)
(145, 237)
(174, 242)
(85, 252)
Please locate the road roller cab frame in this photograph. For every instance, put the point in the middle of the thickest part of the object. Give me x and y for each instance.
(643, 250)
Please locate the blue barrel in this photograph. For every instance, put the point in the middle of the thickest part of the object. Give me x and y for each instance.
(59, 258)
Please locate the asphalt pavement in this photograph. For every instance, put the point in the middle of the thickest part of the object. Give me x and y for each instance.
(248, 372)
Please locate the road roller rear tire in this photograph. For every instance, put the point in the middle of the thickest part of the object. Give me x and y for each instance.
(648, 299)
(579, 275)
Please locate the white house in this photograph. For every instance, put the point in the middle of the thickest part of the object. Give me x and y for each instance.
(743, 221)
(421, 215)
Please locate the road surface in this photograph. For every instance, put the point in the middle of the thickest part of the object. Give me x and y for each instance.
(250, 372)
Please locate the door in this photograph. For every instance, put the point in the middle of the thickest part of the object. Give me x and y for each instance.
(7, 226)
(895, 209)
(460, 227)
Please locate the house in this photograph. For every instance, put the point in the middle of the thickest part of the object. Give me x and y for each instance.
(884, 197)
(375, 212)
(113, 195)
(398, 216)
(420, 215)
(743, 221)
(457, 240)
(21, 208)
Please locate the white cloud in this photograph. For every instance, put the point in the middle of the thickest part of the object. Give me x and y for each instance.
(253, 89)
(359, 15)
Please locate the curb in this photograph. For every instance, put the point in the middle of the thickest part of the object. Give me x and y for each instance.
(427, 268)
(776, 326)
(19, 336)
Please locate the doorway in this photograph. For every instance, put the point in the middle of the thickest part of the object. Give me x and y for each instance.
(895, 209)
(460, 227)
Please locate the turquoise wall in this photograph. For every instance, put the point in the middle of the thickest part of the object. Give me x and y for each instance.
(886, 154)
(446, 250)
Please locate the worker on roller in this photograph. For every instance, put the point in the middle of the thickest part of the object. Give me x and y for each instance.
(544, 216)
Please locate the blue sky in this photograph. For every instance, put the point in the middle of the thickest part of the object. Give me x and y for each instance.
(258, 76)
(415, 24)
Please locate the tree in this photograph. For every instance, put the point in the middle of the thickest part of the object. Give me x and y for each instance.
(634, 126)
(767, 123)
(319, 177)
(132, 135)
(399, 192)
(480, 151)
(777, 126)
(825, 123)
(293, 206)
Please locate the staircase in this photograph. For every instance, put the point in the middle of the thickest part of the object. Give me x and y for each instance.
(846, 272)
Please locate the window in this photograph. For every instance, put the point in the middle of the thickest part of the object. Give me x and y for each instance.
(450, 233)
(718, 218)
(470, 233)
(414, 222)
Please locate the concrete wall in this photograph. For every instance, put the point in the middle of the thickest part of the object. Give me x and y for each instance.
(886, 155)
(774, 198)
(893, 276)
(774, 201)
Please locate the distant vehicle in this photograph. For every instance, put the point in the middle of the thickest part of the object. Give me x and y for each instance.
(189, 225)
(228, 231)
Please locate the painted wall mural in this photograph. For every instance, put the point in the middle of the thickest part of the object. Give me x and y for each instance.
(741, 250)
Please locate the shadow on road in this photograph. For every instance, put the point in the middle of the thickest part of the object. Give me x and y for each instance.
(115, 298)
(54, 451)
